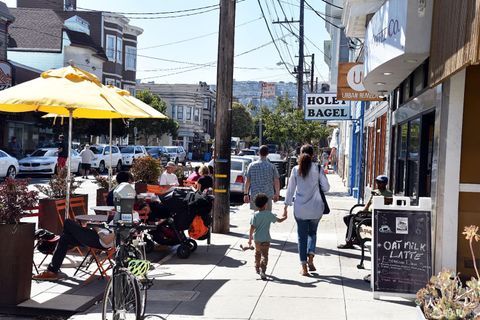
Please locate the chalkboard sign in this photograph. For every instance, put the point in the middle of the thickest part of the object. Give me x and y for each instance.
(402, 257)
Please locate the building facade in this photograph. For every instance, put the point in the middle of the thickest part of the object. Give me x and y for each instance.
(193, 107)
(424, 135)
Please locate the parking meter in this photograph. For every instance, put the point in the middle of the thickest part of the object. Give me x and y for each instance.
(123, 200)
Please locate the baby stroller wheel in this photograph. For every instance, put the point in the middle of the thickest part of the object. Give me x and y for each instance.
(183, 251)
(192, 244)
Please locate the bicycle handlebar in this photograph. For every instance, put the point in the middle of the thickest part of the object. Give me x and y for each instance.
(122, 226)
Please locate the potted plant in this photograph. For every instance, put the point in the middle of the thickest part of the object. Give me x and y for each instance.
(145, 170)
(445, 296)
(16, 241)
(55, 190)
(102, 191)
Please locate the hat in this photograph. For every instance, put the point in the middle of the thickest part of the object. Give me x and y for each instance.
(171, 164)
(382, 178)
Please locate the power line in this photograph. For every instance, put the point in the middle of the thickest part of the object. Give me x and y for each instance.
(327, 21)
(175, 16)
(195, 38)
(154, 13)
(333, 5)
(271, 36)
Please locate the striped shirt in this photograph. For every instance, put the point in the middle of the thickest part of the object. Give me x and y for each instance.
(262, 174)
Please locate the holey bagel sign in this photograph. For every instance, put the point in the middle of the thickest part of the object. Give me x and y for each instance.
(326, 106)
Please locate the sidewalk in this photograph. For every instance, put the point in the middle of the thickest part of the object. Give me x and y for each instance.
(219, 282)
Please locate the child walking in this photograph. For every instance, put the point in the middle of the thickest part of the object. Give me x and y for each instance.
(260, 233)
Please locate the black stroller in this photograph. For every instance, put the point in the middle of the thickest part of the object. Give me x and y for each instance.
(180, 207)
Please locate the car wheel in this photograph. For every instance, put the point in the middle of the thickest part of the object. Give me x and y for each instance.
(79, 169)
(176, 160)
(11, 172)
(101, 167)
(119, 166)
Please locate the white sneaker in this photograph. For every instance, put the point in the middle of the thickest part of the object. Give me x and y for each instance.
(263, 276)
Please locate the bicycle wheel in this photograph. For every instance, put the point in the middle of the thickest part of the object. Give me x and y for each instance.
(127, 298)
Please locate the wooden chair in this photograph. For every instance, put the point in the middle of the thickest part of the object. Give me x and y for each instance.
(188, 183)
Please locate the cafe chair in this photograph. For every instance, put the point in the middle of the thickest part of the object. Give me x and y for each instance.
(103, 259)
(61, 206)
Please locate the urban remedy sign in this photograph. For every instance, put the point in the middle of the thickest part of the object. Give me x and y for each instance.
(325, 106)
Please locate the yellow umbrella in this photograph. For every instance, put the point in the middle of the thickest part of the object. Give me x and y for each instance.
(138, 103)
(71, 92)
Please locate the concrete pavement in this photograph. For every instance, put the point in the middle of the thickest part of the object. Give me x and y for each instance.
(219, 281)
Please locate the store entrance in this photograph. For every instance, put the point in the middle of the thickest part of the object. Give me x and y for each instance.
(426, 155)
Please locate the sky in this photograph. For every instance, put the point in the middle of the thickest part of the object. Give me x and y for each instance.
(190, 42)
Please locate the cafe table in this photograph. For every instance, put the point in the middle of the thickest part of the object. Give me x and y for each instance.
(102, 210)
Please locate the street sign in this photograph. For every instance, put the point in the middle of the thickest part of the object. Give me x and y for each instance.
(326, 106)
(402, 248)
(268, 89)
(350, 83)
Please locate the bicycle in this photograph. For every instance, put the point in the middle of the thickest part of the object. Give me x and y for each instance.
(125, 295)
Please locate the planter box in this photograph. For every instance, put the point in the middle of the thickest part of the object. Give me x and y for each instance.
(102, 197)
(140, 187)
(48, 216)
(16, 242)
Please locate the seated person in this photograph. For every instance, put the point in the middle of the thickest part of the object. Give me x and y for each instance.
(156, 211)
(194, 176)
(351, 235)
(205, 181)
(122, 176)
(168, 177)
(75, 235)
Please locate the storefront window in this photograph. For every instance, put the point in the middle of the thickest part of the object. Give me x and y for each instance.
(402, 157)
(413, 157)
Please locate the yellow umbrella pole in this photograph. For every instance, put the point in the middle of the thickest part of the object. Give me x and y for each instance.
(110, 169)
(69, 161)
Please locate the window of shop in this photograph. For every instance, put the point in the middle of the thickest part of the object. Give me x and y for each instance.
(110, 50)
(196, 115)
(180, 112)
(414, 155)
(130, 58)
(370, 153)
(119, 50)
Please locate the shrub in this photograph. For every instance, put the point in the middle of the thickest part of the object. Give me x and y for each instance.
(445, 297)
(14, 199)
(146, 170)
(57, 186)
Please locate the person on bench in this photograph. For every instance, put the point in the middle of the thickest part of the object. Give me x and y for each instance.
(351, 237)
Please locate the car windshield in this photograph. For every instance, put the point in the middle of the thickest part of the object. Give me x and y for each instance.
(127, 150)
(43, 153)
(97, 150)
(153, 150)
(171, 149)
(237, 165)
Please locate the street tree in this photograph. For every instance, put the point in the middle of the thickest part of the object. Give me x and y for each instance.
(286, 125)
(149, 128)
(242, 121)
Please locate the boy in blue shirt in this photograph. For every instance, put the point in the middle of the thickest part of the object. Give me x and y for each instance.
(260, 233)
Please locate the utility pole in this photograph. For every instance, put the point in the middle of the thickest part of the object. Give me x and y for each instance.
(223, 126)
(300, 57)
(311, 72)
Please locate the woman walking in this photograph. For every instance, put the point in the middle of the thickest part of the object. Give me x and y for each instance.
(303, 185)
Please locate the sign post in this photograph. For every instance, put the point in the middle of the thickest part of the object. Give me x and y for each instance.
(401, 247)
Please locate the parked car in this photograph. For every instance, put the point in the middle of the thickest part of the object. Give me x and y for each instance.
(159, 152)
(44, 161)
(177, 154)
(102, 157)
(130, 153)
(238, 172)
(247, 152)
(8, 165)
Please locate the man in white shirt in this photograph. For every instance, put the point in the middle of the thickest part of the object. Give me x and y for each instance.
(168, 177)
(87, 157)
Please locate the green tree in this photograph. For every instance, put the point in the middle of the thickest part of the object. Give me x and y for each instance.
(154, 127)
(242, 121)
(286, 125)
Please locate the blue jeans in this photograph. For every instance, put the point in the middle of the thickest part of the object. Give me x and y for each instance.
(307, 237)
